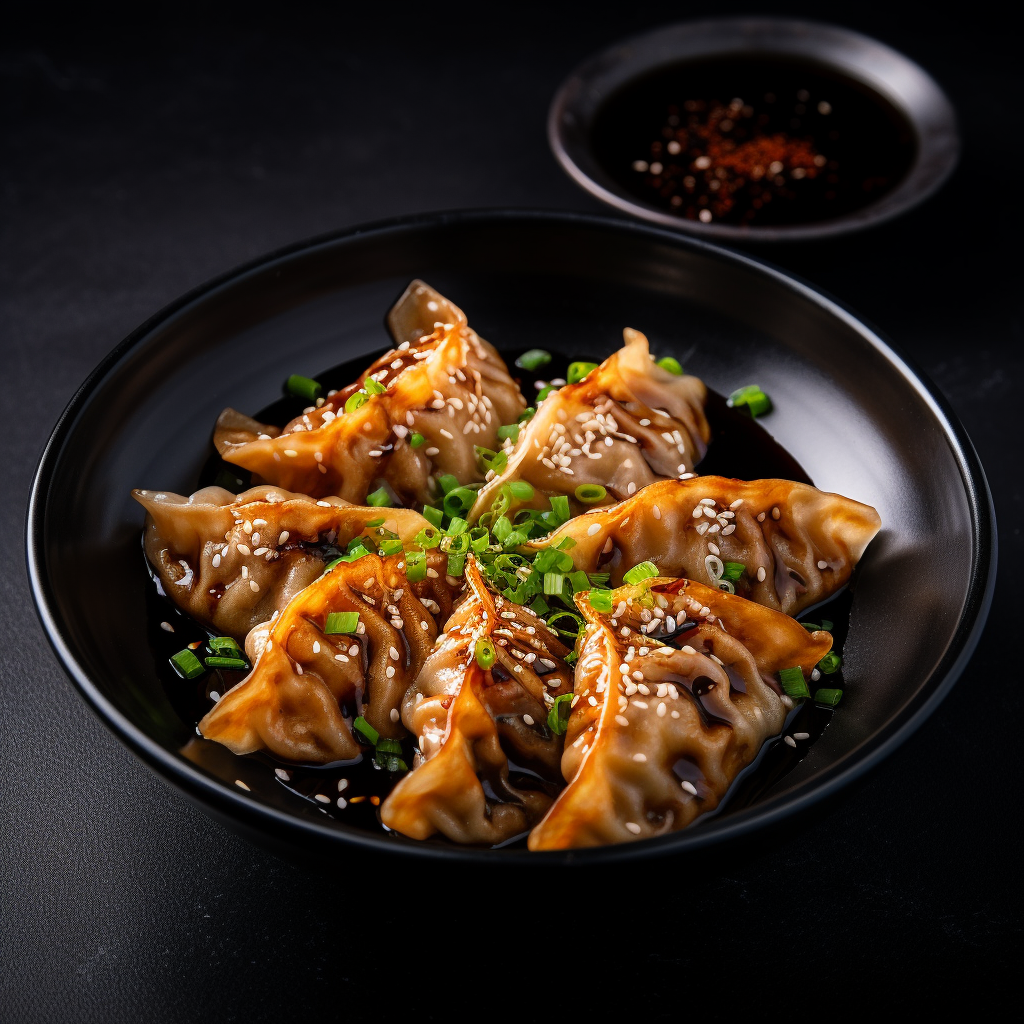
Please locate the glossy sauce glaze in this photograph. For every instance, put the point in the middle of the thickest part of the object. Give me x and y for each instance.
(351, 792)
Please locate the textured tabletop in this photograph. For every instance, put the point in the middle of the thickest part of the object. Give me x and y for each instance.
(139, 160)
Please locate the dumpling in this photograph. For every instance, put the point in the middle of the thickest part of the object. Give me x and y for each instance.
(782, 544)
(660, 730)
(307, 685)
(489, 763)
(626, 424)
(231, 561)
(442, 381)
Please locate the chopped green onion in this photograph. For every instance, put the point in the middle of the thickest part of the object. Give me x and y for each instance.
(494, 461)
(459, 500)
(415, 566)
(521, 490)
(187, 664)
(579, 580)
(457, 526)
(390, 547)
(533, 360)
(558, 716)
(670, 364)
(826, 624)
(235, 663)
(484, 653)
(733, 571)
(600, 600)
(511, 432)
(560, 506)
(367, 731)
(528, 413)
(456, 562)
(355, 554)
(428, 537)
(578, 623)
(540, 606)
(828, 697)
(591, 494)
(373, 387)
(793, 683)
(356, 401)
(577, 371)
(333, 565)
(830, 663)
(753, 398)
(225, 646)
(501, 529)
(417, 440)
(379, 498)
(544, 392)
(303, 387)
(553, 583)
(643, 571)
(341, 622)
(388, 746)
(479, 539)
(390, 763)
(433, 515)
(379, 522)
(447, 482)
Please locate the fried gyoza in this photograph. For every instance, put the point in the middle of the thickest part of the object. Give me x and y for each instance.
(307, 685)
(442, 381)
(232, 561)
(660, 730)
(471, 722)
(626, 424)
(797, 545)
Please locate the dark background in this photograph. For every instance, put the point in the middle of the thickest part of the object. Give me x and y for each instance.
(137, 161)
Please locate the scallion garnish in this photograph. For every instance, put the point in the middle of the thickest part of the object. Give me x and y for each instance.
(558, 716)
(643, 571)
(528, 413)
(416, 440)
(553, 583)
(560, 507)
(415, 566)
(390, 547)
(577, 371)
(577, 624)
(600, 600)
(826, 624)
(591, 494)
(544, 392)
(752, 398)
(484, 652)
(447, 482)
(521, 490)
(367, 731)
(434, 516)
(457, 526)
(459, 500)
(303, 387)
(540, 606)
(830, 663)
(672, 365)
(379, 498)
(828, 697)
(793, 682)
(225, 646)
(533, 360)
(356, 401)
(733, 571)
(578, 581)
(509, 432)
(373, 387)
(388, 746)
(341, 622)
(187, 664)
(233, 663)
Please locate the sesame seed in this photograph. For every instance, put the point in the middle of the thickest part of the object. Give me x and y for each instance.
(322, 798)
(633, 827)
(790, 741)
(776, 514)
(244, 549)
(393, 652)
(801, 735)
(214, 696)
(445, 433)
(656, 512)
(316, 646)
(291, 453)
(393, 714)
(254, 586)
(822, 564)
(689, 787)
(662, 710)
(283, 775)
(528, 719)
(342, 802)
(241, 785)
(167, 627)
(431, 452)
(622, 720)
(354, 650)
(640, 758)
(760, 517)
(815, 675)
(761, 574)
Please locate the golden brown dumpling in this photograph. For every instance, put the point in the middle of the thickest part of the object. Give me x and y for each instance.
(231, 561)
(659, 730)
(472, 721)
(626, 424)
(797, 545)
(442, 381)
(307, 686)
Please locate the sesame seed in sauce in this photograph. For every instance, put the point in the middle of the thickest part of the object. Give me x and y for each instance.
(528, 719)
(822, 564)
(291, 453)
(761, 574)
(790, 742)
(241, 785)
(431, 452)
(689, 787)
(633, 827)
(167, 627)
(640, 758)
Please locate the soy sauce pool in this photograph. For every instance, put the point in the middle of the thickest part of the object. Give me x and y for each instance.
(756, 141)
(352, 792)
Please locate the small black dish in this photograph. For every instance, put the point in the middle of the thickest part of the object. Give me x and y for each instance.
(861, 132)
(847, 407)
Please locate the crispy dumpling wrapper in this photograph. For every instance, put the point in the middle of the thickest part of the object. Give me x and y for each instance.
(660, 730)
(307, 686)
(231, 561)
(798, 545)
(442, 381)
(626, 424)
(471, 722)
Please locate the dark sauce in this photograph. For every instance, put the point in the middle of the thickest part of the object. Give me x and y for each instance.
(752, 141)
(741, 447)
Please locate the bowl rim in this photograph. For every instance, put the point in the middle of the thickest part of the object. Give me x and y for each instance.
(216, 797)
(871, 62)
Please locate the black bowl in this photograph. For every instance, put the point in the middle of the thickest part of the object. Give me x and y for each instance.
(850, 409)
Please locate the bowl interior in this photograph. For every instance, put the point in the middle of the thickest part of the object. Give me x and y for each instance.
(845, 407)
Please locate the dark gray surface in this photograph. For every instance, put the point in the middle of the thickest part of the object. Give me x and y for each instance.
(140, 161)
